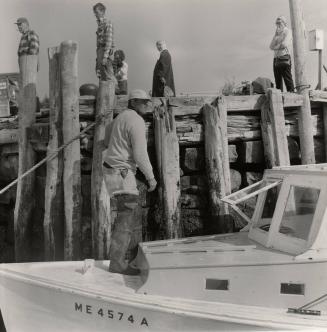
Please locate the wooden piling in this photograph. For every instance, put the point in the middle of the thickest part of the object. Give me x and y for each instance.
(71, 128)
(274, 131)
(299, 50)
(325, 127)
(167, 151)
(100, 200)
(217, 163)
(53, 211)
(267, 136)
(25, 187)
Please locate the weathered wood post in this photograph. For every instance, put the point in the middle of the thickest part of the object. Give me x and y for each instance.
(299, 49)
(319, 85)
(274, 131)
(72, 167)
(217, 163)
(100, 200)
(324, 110)
(53, 210)
(267, 135)
(25, 187)
(167, 151)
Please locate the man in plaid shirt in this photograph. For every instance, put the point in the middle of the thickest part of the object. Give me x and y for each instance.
(29, 42)
(105, 44)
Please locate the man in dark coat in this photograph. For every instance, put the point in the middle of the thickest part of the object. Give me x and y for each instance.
(163, 77)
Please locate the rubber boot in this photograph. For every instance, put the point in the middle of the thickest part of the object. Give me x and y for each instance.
(121, 237)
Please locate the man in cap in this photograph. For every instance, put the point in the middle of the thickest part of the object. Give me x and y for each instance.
(29, 42)
(126, 150)
(281, 44)
(105, 44)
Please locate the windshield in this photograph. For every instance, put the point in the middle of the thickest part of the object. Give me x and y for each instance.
(299, 211)
(246, 198)
(270, 200)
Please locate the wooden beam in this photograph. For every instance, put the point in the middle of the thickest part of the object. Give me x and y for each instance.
(217, 163)
(186, 106)
(100, 200)
(8, 136)
(167, 151)
(319, 85)
(278, 127)
(39, 132)
(274, 132)
(25, 187)
(251, 152)
(72, 167)
(325, 127)
(318, 95)
(53, 224)
(267, 136)
(299, 50)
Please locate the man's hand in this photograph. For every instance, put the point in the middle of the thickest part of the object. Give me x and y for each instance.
(152, 184)
(98, 73)
(162, 80)
(104, 61)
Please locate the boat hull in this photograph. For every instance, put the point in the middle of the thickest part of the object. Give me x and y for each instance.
(37, 307)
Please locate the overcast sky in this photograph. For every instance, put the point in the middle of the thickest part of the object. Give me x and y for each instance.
(211, 41)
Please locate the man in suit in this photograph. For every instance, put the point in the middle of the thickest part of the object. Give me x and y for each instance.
(163, 77)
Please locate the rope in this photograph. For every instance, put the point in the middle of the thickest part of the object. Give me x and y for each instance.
(55, 153)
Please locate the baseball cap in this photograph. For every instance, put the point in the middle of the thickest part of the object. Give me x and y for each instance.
(138, 94)
(21, 20)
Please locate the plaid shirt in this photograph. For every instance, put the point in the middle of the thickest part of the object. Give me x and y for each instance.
(105, 36)
(29, 43)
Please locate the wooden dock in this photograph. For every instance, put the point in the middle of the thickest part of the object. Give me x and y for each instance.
(202, 148)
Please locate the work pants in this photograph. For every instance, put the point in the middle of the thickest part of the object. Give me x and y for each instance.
(281, 72)
(126, 234)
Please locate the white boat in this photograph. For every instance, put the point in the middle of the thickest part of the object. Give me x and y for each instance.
(270, 276)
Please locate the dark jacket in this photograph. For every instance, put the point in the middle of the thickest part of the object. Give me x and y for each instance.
(163, 68)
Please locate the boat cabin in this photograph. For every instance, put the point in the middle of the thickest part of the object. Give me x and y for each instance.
(278, 260)
(290, 212)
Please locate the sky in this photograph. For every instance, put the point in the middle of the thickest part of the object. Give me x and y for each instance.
(211, 41)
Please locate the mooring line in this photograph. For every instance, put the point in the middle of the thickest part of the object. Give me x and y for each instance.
(54, 154)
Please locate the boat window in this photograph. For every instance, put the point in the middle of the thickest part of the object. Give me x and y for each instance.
(268, 208)
(247, 196)
(299, 211)
(217, 284)
(250, 191)
(293, 289)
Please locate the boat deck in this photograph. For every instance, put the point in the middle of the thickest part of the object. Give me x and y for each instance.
(100, 284)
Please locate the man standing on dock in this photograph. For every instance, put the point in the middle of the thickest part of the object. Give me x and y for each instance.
(29, 43)
(163, 78)
(126, 150)
(281, 45)
(105, 44)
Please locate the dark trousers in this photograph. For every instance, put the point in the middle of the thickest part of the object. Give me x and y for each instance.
(126, 234)
(283, 72)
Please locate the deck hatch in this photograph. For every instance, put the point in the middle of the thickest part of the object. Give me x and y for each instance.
(292, 289)
(217, 284)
